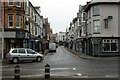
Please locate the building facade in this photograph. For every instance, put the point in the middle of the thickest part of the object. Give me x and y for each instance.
(15, 35)
(103, 28)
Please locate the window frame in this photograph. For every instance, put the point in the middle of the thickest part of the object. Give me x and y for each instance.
(19, 3)
(9, 3)
(10, 20)
(110, 42)
(95, 9)
(96, 26)
(18, 21)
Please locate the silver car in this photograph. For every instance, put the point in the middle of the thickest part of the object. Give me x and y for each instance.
(20, 54)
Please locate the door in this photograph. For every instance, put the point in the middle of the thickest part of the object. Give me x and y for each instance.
(30, 54)
(96, 50)
(22, 54)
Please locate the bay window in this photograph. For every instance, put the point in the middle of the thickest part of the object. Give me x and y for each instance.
(96, 24)
(96, 11)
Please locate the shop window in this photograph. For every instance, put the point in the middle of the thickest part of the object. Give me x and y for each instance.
(110, 45)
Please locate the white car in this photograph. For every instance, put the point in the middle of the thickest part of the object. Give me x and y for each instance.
(20, 54)
(52, 47)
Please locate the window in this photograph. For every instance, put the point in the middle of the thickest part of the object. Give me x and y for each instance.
(30, 51)
(35, 18)
(110, 45)
(96, 24)
(18, 3)
(80, 31)
(18, 21)
(35, 30)
(10, 2)
(10, 20)
(90, 14)
(96, 10)
(14, 51)
(106, 23)
(21, 51)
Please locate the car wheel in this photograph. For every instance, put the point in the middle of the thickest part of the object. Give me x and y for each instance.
(15, 60)
(39, 59)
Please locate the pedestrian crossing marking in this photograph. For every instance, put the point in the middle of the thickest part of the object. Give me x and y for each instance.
(74, 69)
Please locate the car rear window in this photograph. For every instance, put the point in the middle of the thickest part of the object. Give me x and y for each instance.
(14, 51)
(21, 51)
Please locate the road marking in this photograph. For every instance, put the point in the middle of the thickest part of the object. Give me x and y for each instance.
(74, 69)
(57, 69)
(78, 74)
(111, 76)
(45, 57)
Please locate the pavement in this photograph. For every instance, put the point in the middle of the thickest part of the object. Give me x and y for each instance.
(84, 56)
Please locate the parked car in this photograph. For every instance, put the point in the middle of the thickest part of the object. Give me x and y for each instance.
(52, 47)
(21, 54)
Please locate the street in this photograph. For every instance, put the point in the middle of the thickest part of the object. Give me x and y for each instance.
(64, 63)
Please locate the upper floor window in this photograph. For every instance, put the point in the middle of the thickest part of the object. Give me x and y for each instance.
(96, 24)
(10, 20)
(18, 21)
(10, 2)
(96, 10)
(18, 3)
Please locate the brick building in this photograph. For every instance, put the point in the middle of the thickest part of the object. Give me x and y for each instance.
(15, 34)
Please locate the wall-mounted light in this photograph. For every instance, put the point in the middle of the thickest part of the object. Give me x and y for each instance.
(110, 17)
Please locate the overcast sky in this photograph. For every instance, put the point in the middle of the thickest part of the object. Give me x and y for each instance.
(59, 12)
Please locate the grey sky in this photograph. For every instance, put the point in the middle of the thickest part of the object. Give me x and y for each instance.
(59, 12)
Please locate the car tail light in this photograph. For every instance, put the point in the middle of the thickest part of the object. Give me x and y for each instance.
(9, 54)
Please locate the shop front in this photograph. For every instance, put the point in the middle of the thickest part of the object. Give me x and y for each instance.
(104, 47)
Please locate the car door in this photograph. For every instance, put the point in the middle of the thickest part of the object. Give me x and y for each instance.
(22, 54)
(31, 54)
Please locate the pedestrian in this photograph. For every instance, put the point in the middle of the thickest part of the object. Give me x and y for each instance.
(42, 50)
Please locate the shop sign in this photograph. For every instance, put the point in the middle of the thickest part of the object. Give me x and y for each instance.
(96, 42)
(96, 39)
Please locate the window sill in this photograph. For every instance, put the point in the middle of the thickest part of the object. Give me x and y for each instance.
(18, 6)
(10, 27)
(96, 33)
(96, 15)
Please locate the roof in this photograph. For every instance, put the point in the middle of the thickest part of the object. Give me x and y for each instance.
(93, 2)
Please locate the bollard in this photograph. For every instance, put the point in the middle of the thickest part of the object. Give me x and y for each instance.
(47, 71)
(17, 72)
